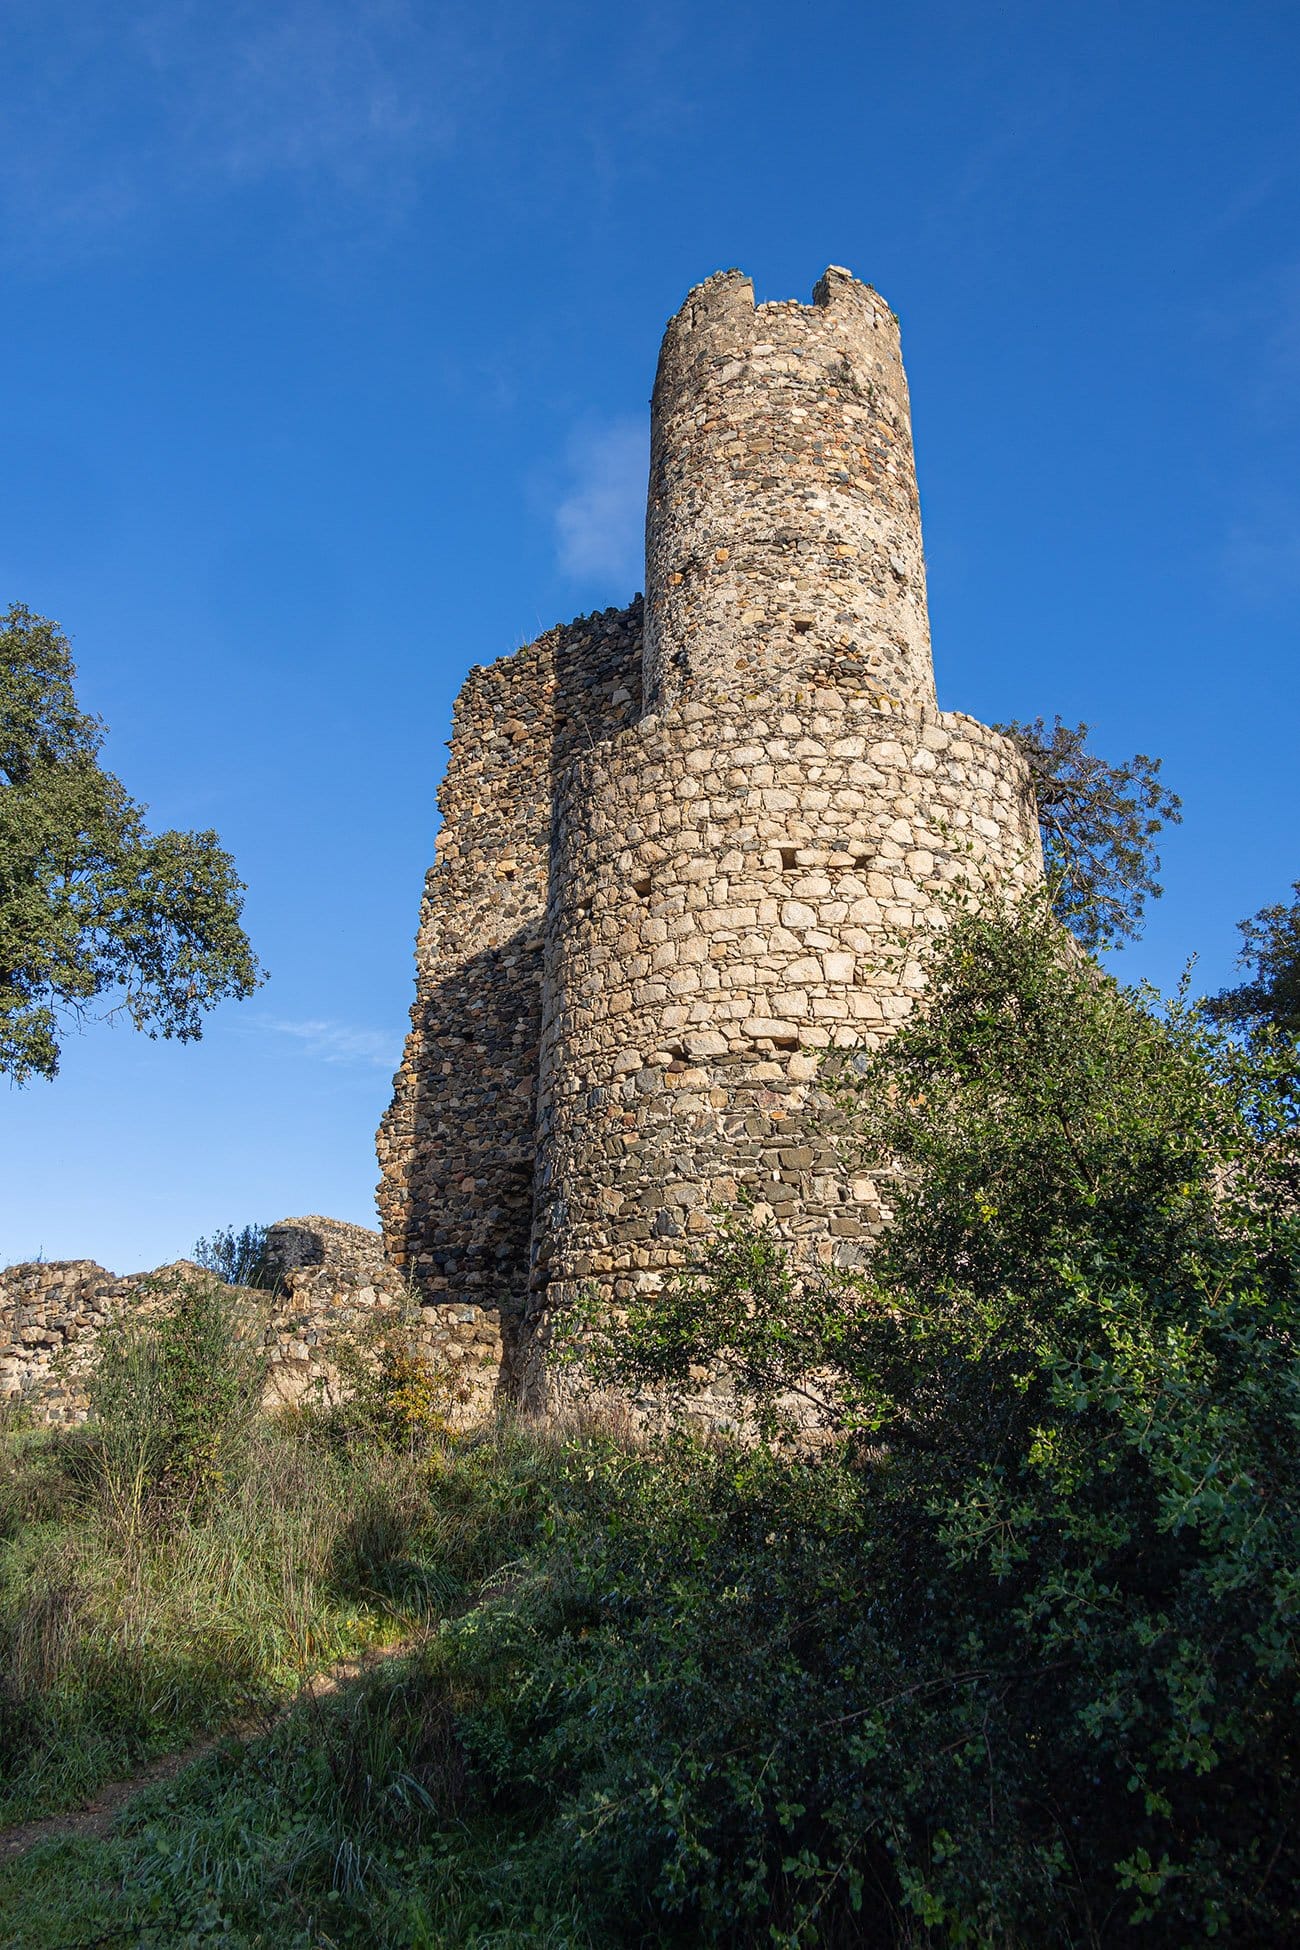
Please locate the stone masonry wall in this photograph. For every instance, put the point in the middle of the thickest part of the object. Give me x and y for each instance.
(456, 1146)
(670, 916)
(783, 528)
(730, 884)
(334, 1282)
(51, 1315)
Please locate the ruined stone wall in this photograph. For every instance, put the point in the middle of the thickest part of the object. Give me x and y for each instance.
(731, 880)
(783, 528)
(51, 1315)
(456, 1146)
(335, 1285)
(729, 887)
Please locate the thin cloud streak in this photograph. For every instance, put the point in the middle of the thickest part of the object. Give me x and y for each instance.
(1262, 558)
(599, 522)
(306, 86)
(162, 104)
(335, 1042)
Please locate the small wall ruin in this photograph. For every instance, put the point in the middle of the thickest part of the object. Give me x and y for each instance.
(332, 1279)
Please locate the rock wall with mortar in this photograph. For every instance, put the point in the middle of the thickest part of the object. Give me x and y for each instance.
(51, 1316)
(656, 905)
(730, 885)
(783, 527)
(456, 1147)
(334, 1285)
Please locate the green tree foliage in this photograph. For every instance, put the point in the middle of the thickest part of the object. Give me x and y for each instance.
(91, 902)
(1069, 1392)
(237, 1258)
(1271, 949)
(1098, 821)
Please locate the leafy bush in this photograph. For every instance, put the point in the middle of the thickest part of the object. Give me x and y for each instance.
(174, 1393)
(238, 1258)
(1071, 1384)
(386, 1390)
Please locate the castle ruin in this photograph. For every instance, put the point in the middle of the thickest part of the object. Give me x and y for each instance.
(681, 844)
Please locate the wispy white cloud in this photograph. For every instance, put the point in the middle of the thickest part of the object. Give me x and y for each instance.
(600, 519)
(1262, 329)
(302, 85)
(1262, 556)
(1282, 333)
(334, 1042)
(126, 110)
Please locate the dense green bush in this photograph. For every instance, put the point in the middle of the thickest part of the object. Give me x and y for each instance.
(1071, 1386)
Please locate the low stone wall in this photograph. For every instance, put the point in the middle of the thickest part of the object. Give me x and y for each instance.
(51, 1316)
(334, 1287)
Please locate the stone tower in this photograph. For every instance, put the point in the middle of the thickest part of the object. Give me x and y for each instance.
(680, 847)
(783, 532)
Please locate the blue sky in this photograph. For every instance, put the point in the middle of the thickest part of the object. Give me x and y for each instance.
(328, 329)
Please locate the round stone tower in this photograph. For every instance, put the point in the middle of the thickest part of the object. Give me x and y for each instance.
(783, 529)
(736, 877)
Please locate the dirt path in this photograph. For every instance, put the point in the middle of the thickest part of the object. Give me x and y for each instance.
(95, 1817)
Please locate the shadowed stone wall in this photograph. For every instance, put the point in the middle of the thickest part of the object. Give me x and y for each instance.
(456, 1147)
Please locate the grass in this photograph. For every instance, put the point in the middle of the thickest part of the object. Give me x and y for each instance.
(343, 1826)
(119, 1644)
(349, 1821)
(509, 1781)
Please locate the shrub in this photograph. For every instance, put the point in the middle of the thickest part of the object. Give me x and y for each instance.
(388, 1391)
(175, 1390)
(237, 1258)
(1071, 1386)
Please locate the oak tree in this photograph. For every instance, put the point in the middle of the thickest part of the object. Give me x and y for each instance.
(92, 904)
(1270, 949)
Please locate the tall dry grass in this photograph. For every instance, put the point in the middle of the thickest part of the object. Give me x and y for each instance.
(182, 1560)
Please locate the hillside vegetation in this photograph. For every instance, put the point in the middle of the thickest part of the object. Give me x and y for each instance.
(1006, 1656)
